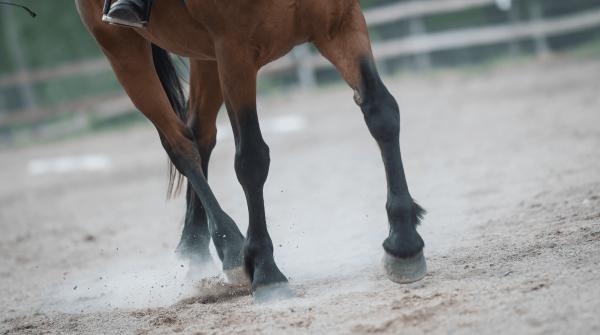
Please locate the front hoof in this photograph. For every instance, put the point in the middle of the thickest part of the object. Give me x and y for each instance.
(272, 293)
(405, 270)
(237, 276)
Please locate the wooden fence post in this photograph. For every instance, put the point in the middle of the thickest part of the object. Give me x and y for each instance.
(18, 57)
(417, 28)
(304, 67)
(541, 43)
(514, 16)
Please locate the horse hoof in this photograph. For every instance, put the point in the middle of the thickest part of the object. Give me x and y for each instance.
(405, 270)
(237, 276)
(272, 293)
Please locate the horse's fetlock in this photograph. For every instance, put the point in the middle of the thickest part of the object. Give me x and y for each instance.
(254, 248)
(399, 208)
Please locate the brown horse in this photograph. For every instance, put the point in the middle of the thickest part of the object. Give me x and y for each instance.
(227, 42)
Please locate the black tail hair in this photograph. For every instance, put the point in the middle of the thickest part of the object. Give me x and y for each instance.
(171, 83)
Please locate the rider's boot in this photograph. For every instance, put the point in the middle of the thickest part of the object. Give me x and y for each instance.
(130, 13)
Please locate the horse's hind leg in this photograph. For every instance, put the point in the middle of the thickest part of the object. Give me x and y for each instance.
(131, 59)
(238, 77)
(203, 107)
(349, 50)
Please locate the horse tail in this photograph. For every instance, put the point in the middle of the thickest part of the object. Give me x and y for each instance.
(171, 83)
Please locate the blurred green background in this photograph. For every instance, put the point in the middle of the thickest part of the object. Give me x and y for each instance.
(56, 38)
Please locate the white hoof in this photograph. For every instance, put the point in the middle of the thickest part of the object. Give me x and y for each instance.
(405, 270)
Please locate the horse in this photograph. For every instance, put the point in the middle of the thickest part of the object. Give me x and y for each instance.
(227, 42)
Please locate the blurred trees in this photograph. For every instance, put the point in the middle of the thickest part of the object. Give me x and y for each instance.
(56, 36)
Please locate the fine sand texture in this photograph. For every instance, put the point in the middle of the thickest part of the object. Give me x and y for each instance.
(506, 160)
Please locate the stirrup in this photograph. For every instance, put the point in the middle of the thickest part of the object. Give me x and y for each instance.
(122, 23)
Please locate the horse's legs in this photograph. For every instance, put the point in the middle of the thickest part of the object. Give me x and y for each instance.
(238, 77)
(349, 50)
(203, 107)
(131, 59)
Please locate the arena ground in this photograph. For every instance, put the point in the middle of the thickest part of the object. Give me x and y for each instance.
(506, 160)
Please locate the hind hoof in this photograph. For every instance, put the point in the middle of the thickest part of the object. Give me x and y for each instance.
(405, 270)
(237, 276)
(272, 293)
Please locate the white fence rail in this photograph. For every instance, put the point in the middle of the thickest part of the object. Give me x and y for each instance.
(407, 10)
(307, 64)
(427, 43)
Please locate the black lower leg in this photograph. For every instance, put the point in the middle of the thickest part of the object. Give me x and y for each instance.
(204, 214)
(382, 116)
(252, 166)
(195, 238)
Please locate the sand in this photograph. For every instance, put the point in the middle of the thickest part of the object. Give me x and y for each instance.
(506, 160)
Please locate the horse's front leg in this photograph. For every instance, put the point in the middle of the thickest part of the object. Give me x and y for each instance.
(238, 78)
(350, 51)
